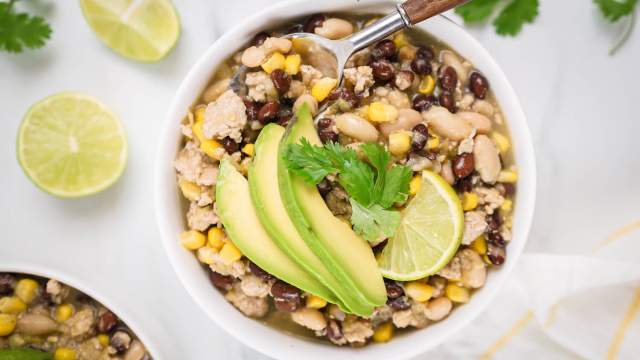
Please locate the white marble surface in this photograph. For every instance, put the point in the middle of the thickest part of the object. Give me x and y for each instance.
(581, 105)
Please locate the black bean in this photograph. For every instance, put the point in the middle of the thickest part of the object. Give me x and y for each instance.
(383, 70)
(425, 52)
(281, 289)
(253, 108)
(424, 102)
(230, 145)
(496, 254)
(419, 137)
(313, 22)
(421, 66)
(334, 332)
(448, 78)
(495, 238)
(478, 85)
(327, 135)
(295, 28)
(508, 189)
(268, 112)
(385, 49)
(324, 187)
(447, 100)
(257, 271)
(107, 321)
(346, 98)
(281, 80)
(494, 221)
(284, 116)
(464, 184)
(463, 165)
(393, 289)
(7, 283)
(287, 305)
(399, 303)
(378, 248)
(221, 281)
(259, 39)
(325, 123)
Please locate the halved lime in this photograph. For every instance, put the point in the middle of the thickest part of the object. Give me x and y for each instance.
(429, 233)
(141, 30)
(70, 145)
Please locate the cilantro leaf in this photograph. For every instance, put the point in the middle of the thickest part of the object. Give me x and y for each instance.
(615, 9)
(515, 15)
(373, 223)
(396, 186)
(309, 162)
(379, 158)
(20, 30)
(477, 10)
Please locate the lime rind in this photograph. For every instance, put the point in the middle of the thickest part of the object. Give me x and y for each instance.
(417, 246)
(36, 111)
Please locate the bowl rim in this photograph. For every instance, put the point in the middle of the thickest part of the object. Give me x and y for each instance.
(236, 324)
(26, 268)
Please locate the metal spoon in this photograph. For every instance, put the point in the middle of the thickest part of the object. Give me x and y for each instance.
(409, 13)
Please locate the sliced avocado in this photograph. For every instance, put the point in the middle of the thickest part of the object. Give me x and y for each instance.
(265, 193)
(345, 254)
(235, 209)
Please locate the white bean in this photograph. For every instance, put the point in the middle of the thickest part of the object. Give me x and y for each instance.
(407, 119)
(306, 99)
(310, 318)
(215, 90)
(447, 173)
(474, 272)
(481, 123)
(486, 158)
(438, 308)
(273, 44)
(447, 124)
(334, 28)
(447, 57)
(253, 57)
(136, 351)
(356, 127)
(483, 107)
(466, 101)
(36, 324)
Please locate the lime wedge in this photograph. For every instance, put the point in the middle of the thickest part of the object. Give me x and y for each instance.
(429, 233)
(141, 30)
(70, 145)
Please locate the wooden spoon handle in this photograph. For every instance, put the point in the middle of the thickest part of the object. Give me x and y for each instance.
(418, 10)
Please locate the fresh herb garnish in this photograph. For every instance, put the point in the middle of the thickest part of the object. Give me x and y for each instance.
(614, 10)
(20, 30)
(373, 186)
(510, 19)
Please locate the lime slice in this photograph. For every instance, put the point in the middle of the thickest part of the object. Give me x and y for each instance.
(71, 145)
(429, 233)
(141, 30)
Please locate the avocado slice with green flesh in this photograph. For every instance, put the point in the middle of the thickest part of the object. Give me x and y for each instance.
(265, 193)
(348, 257)
(235, 209)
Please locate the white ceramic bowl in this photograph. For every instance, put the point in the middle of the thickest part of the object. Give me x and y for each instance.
(37, 270)
(269, 340)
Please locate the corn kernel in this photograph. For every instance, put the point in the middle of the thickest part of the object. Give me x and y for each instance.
(197, 130)
(469, 201)
(383, 333)
(103, 339)
(501, 141)
(63, 353)
(487, 260)
(292, 64)
(192, 239)
(248, 149)
(401, 39)
(198, 114)
(316, 302)
(274, 62)
(433, 142)
(323, 88)
(427, 85)
(418, 291)
(480, 245)
(414, 185)
(7, 324)
(457, 293)
(508, 222)
(12, 305)
(507, 205)
(363, 112)
(212, 148)
(206, 255)
(190, 191)
(407, 52)
(507, 176)
(399, 142)
(216, 238)
(381, 112)
(26, 290)
(64, 312)
(230, 253)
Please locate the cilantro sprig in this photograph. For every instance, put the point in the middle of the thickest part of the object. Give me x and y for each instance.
(373, 186)
(511, 18)
(20, 30)
(615, 10)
